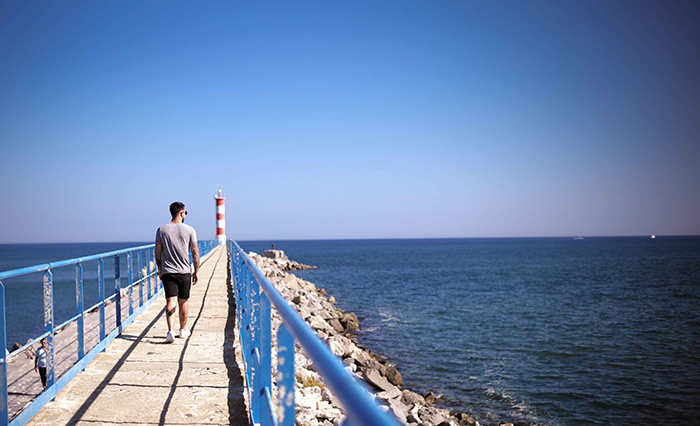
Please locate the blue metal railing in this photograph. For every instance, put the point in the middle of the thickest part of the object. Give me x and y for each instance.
(254, 297)
(149, 282)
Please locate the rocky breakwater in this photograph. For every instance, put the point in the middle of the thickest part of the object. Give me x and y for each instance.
(316, 405)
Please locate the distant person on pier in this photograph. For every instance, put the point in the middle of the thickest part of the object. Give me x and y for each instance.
(174, 240)
(40, 362)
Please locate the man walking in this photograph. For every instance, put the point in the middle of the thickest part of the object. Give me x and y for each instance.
(173, 242)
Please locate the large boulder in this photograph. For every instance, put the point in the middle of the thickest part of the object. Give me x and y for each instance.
(393, 376)
(409, 397)
(431, 415)
(350, 322)
(324, 410)
(465, 419)
(340, 347)
(291, 281)
(375, 379)
(387, 395)
(430, 398)
(351, 326)
(373, 364)
(337, 326)
(304, 415)
(412, 416)
(399, 410)
(327, 395)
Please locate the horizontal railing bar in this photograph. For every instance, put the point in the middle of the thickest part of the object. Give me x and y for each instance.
(45, 266)
(95, 306)
(139, 280)
(56, 329)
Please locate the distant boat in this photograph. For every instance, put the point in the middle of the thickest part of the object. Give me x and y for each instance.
(578, 238)
(653, 236)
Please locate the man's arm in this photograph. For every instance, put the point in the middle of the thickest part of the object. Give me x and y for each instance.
(159, 260)
(195, 260)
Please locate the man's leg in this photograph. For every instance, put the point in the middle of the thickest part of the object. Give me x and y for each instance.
(184, 312)
(170, 306)
(184, 295)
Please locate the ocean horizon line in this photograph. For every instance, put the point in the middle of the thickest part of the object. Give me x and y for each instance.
(583, 236)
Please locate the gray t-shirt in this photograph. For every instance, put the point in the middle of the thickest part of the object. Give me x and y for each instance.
(176, 239)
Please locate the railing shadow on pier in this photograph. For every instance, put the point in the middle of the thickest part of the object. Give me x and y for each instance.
(80, 412)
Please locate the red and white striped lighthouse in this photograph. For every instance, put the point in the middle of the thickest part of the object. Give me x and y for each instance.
(220, 221)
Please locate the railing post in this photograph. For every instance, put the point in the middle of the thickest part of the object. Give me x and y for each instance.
(148, 271)
(285, 377)
(48, 328)
(245, 339)
(4, 405)
(265, 344)
(130, 277)
(101, 289)
(255, 345)
(245, 310)
(239, 284)
(151, 261)
(242, 284)
(141, 277)
(118, 292)
(80, 310)
(156, 280)
(248, 310)
(240, 305)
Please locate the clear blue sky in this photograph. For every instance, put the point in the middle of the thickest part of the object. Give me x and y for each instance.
(349, 119)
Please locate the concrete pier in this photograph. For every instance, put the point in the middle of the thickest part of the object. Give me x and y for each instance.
(141, 380)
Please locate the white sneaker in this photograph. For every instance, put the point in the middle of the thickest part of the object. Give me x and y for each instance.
(185, 333)
(170, 338)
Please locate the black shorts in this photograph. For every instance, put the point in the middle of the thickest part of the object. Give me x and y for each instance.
(177, 285)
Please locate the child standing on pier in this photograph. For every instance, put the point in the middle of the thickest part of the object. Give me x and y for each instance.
(40, 362)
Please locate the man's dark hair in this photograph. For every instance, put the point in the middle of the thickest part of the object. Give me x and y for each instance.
(176, 208)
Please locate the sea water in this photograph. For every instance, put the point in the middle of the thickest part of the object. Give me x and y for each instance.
(599, 331)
